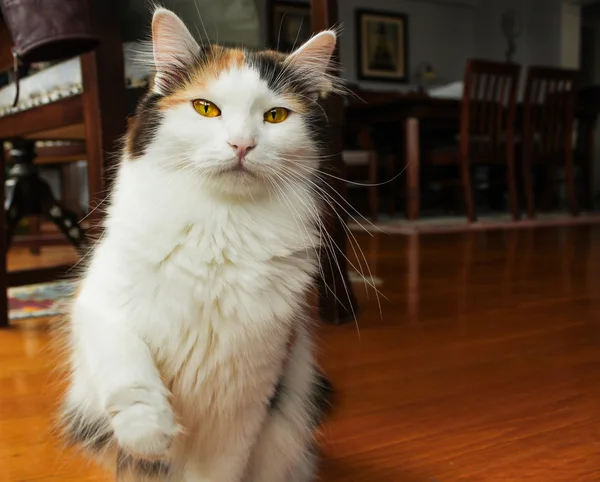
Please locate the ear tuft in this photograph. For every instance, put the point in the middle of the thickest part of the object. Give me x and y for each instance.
(173, 45)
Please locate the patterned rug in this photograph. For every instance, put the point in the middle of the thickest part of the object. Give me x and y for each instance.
(38, 300)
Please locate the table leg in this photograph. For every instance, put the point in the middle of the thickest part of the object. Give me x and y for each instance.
(3, 251)
(413, 195)
(412, 278)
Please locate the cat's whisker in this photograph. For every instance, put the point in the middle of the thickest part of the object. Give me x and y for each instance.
(96, 207)
(329, 193)
(297, 217)
(361, 184)
(202, 23)
(328, 243)
(353, 242)
(332, 246)
(325, 200)
(279, 31)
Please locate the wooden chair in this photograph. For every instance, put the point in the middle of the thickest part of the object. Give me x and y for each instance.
(586, 117)
(548, 112)
(364, 148)
(486, 133)
(361, 162)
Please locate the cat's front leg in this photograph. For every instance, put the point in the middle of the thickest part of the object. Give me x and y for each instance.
(143, 421)
(127, 384)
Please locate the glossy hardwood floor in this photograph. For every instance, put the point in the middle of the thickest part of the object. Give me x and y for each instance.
(483, 366)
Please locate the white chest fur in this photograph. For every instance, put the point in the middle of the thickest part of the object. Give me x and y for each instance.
(211, 287)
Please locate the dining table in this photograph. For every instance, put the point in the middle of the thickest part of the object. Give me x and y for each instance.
(409, 112)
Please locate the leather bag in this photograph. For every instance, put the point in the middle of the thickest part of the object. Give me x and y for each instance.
(48, 30)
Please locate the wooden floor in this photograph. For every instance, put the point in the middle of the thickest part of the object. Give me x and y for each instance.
(484, 366)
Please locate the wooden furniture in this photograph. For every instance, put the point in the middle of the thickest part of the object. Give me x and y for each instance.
(64, 158)
(376, 146)
(548, 114)
(361, 160)
(586, 117)
(60, 156)
(364, 161)
(405, 113)
(29, 195)
(97, 115)
(487, 127)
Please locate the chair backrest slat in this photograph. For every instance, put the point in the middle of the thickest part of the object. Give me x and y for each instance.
(548, 110)
(488, 107)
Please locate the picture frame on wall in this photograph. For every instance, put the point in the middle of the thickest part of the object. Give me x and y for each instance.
(382, 46)
(289, 24)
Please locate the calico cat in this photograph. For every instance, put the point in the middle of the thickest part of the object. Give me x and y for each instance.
(190, 350)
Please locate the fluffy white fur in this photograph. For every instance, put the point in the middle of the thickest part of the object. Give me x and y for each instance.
(179, 333)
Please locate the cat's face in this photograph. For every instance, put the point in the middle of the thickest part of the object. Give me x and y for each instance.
(243, 122)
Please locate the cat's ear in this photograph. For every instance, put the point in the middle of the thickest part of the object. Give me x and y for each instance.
(315, 55)
(173, 45)
(313, 59)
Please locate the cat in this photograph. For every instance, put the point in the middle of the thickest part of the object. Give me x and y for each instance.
(189, 339)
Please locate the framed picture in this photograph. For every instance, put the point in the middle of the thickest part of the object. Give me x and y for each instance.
(382, 46)
(289, 25)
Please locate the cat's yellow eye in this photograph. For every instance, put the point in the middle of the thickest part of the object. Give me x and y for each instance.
(206, 108)
(276, 115)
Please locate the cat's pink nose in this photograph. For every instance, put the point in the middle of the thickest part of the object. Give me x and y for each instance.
(242, 147)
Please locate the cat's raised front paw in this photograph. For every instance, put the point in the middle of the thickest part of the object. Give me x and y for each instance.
(144, 423)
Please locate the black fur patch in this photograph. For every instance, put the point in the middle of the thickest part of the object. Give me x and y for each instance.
(93, 434)
(320, 402)
(319, 398)
(276, 397)
(145, 123)
(150, 469)
(278, 77)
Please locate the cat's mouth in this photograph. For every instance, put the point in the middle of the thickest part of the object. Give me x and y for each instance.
(238, 169)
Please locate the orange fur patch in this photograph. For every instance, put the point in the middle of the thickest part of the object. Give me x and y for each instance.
(220, 59)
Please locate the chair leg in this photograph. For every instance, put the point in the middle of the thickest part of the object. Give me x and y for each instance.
(513, 199)
(392, 185)
(467, 189)
(528, 188)
(3, 248)
(570, 180)
(35, 230)
(548, 188)
(589, 188)
(373, 189)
